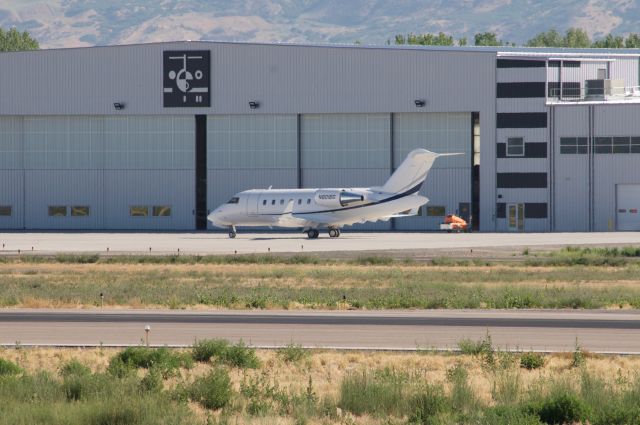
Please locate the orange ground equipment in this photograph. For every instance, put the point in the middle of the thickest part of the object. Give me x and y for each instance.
(453, 223)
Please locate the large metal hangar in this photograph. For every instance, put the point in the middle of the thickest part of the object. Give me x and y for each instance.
(154, 136)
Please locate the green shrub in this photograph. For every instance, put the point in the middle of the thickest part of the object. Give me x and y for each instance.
(9, 368)
(152, 382)
(239, 355)
(381, 393)
(561, 407)
(74, 368)
(427, 405)
(141, 357)
(508, 415)
(292, 353)
(463, 399)
(373, 260)
(203, 350)
(531, 361)
(483, 348)
(579, 356)
(118, 368)
(212, 391)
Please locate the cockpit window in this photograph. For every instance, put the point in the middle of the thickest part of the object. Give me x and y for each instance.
(234, 200)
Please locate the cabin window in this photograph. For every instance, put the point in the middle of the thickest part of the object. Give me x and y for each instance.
(264, 202)
(234, 200)
(308, 201)
(281, 201)
(273, 202)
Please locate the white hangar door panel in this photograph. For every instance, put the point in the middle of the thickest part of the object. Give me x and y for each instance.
(628, 206)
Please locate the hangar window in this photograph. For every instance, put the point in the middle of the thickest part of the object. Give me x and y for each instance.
(5, 210)
(161, 211)
(515, 146)
(79, 211)
(635, 145)
(573, 145)
(57, 211)
(234, 200)
(603, 145)
(139, 211)
(436, 211)
(621, 144)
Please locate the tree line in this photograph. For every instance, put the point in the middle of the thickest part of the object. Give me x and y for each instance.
(574, 37)
(16, 41)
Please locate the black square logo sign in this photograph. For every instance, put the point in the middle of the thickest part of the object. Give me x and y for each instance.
(187, 78)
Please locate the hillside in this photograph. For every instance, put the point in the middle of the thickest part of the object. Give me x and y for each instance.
(71, 23)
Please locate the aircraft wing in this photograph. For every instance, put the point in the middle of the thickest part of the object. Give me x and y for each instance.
(318, 218)
(321, 219)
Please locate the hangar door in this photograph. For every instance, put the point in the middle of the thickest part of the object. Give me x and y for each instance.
(628, 207)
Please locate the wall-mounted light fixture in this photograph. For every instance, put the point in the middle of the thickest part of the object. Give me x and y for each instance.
(254, 104)
(119, 106)
(420, 103)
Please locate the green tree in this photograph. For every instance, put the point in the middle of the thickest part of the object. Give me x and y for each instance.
(576, 37)
(462, 41)
(427, 39)
(551, 38)
(15, 41)
(487, 39)
(632, 41)
(610, 42)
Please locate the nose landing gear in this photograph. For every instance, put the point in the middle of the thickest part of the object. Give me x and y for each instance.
(232, 232)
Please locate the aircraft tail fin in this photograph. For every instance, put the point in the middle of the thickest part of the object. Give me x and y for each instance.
(413, 171)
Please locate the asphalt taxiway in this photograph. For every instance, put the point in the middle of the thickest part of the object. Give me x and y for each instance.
(597, 331)
(219, 243)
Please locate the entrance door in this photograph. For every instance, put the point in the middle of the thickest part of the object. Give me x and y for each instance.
(515, 217)
(252, 204)
(628, 207)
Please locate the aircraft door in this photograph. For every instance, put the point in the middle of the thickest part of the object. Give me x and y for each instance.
(252, 204)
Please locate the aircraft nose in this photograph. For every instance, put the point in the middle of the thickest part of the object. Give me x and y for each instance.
(214, 217)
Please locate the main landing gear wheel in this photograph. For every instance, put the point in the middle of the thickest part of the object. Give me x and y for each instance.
(313, 234)
(232, 232)
(334, 233)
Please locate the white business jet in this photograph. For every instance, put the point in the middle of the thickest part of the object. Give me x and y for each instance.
(311, 209)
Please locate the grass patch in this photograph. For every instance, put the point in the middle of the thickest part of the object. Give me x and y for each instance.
(342, 285)
(372, 389)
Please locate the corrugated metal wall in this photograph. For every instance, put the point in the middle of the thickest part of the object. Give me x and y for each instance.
(250, 152)
(449, 181)
(104, 163)
(287, 81)
(11, 172)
